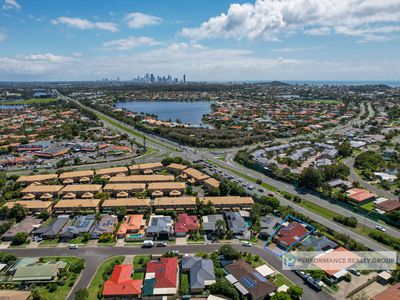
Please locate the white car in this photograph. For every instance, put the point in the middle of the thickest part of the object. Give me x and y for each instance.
(148, 244)
(247, 244)
(73, 246)
(380, 228)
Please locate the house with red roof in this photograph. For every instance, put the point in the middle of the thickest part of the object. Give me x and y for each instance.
(161, 277)
(121, 283)
(290, 234)
(360, 196)
(186, 224)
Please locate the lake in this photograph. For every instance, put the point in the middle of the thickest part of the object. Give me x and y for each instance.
(12, 106)
(187, 112)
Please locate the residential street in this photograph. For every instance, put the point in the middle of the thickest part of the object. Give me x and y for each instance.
(96, 255)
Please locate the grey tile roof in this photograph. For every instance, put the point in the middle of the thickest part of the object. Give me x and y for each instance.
(235, 222)
(201, 270)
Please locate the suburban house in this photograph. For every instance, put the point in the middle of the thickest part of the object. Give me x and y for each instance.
(160, 227)
(388, 205)
(321, 243)
(185, 224)
(141, 178)
(38, 190)
(359, 196)
(201, 272)
(124, 190)
(80, 191)
(249, 282)
(236, 223)
(146, 168)
(209, 222)
(64, 206)
(26, 225)
(131, 224)
(267, 225)
(37, 271)
(33, 206)
(42, 178)
(161, 277)
(195, 176)
(290, 233)
(106, 224)
(176, 167)
(83, 176)
(175, 203)
(121, 285)
(80, 225)
(336, 262)
(211, 183)
(131, 204)
(159, 189)
(52, 230)
(230, 202)
(108, 172)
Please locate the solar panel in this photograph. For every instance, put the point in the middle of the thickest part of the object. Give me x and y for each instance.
(248, 282)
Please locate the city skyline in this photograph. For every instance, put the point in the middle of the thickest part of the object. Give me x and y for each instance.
(217, 41)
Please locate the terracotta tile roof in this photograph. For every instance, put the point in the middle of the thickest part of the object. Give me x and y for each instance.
(165, 272)
(121, 283)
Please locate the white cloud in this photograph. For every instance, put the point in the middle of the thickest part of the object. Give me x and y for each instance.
(267, 19)
(139, 20)
(11, 4)
(3, 37)
(85, 24)
(296, 49)
(198, 62)
(129, 43)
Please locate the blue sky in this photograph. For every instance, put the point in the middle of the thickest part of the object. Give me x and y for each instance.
(207, 40)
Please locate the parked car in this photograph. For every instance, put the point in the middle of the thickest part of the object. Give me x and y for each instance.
(301, 274)
(261, 190)
(316, 283)
(73, 246)
(246, 244)
(354, 271)
(161, 244)
(147, 244)
(380, 228)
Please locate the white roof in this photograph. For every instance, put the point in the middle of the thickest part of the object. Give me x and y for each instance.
(385, 275)
(241, 288)
(231, 279)
(265, 271)
(380, 200)
(2, 266)
(282, 288)
(212, 297)
(340, 274)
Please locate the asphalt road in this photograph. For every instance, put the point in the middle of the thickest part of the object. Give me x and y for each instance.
(354, 177)
(96, 255)
(164, 146)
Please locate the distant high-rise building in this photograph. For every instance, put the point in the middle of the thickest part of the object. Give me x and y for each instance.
(184, 78)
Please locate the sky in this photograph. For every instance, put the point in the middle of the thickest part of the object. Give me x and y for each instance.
(208, 40)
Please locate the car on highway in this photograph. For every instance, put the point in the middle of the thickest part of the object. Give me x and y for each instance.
(247, 244)
(380, 228)
(73, 246)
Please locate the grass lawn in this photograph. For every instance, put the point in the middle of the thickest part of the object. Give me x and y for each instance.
(49, 243)
(253, 261)
(140, 261)
(130, 130)
(247, 177)
(281, 280)
(138, 275)
(184, 284)
(62, 291)
(97, 279)
(369, 206)
(319, 209)
(24, 245)
(78, 240)
(30, 101)
(112, 243)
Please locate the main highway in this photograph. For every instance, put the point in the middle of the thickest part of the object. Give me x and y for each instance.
(170, 148)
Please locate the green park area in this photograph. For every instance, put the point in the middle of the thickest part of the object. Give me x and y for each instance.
(30, 101)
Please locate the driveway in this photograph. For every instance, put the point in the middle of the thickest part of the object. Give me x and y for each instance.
(180, 241)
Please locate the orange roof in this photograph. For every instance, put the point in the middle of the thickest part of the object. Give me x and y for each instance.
(359, 195)
(391, 293)
(336, 260)
(131, 222)
(121, 283)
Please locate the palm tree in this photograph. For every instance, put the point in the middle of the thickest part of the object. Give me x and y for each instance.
(220, 227)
